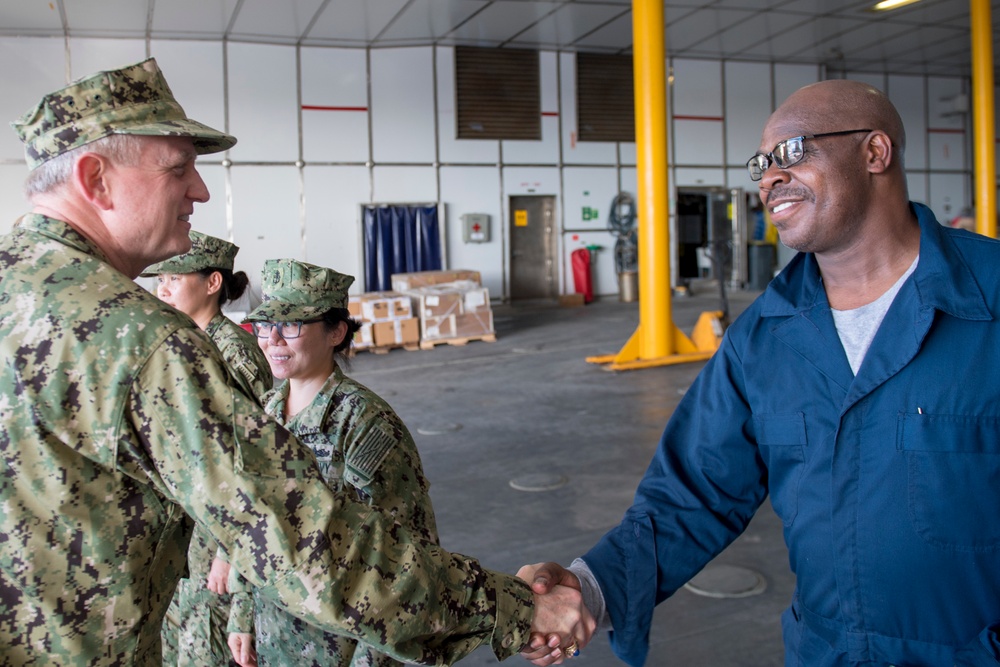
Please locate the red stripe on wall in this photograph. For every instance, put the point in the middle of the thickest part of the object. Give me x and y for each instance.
(314, 107)
(550, 113)
(716, 119)
(944, 130)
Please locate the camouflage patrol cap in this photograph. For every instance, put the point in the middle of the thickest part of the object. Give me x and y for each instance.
(207, 252)
(132, 100)
(298, 291)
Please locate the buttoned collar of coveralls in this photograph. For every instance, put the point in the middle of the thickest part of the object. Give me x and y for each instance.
(942, 281)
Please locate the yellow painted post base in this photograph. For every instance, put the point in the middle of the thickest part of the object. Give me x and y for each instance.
(704, 341)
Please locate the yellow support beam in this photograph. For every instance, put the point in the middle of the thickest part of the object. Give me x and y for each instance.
(983, 117)
(657, 341)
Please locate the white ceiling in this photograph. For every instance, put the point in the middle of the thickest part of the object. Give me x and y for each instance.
(930, 37)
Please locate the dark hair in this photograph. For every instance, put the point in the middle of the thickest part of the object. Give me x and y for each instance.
(233, 284)
(331, 319)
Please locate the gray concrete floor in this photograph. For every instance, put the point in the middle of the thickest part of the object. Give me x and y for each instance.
(488, 413)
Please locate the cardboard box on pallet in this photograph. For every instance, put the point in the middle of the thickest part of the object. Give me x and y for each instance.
(364, 337)
(396, 332)
(383, 306)
(460, 309)
(404, 282)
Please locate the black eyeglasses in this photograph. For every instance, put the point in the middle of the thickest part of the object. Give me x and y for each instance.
(786, 153)
(285, 329)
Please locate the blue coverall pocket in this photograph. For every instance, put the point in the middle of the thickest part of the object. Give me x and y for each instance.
(952, 467)
(782, 442)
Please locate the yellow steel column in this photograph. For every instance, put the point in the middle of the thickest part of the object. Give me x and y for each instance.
(649, 71)
(656, 341)
(983, 117)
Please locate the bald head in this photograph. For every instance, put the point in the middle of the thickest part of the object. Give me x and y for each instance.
(840, 104)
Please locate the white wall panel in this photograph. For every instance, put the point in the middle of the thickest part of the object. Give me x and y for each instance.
(451, 149)
(688, 177)
(748, 105)
(210, 217)
(89, 56)
(530, 181)
(333, 198)
(32, 67)
(335, 81)
(587, 195)
(545, 150)
(603, 275)
(788, 78)
(627, 153)
(405, 184)
(402, 86)
(946, 129)
(697, 89)
(574, 151)
(740, 178)
(195, 74)
(262, 103)
(948, 195)
(266, 222)
(628, 181)
(12, 201)
(698, 142)
(907, 95)
(475, 190)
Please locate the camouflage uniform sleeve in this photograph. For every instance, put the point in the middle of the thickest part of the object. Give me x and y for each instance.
(334, 563)
(241, 608)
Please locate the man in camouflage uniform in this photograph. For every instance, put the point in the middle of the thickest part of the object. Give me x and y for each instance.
(194, 628)
(119, 424)
(360, 443)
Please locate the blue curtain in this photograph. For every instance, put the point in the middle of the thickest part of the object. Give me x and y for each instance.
(399, 239)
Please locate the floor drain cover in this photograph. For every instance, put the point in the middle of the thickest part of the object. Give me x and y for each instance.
(727, 581)
(438, 430)
(538, 482)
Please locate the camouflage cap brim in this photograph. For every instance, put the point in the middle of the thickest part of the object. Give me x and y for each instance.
(279, 311)
(206, 139)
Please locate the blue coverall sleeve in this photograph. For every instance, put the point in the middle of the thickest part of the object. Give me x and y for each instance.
(702, 487)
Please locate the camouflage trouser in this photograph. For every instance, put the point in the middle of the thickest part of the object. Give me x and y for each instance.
(194, 629)
(285, 641)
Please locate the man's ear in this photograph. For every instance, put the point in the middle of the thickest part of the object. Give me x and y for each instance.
(880, 152)
(90, 177)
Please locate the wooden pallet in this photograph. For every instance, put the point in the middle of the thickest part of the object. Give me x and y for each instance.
(429, 344)
(384, 349)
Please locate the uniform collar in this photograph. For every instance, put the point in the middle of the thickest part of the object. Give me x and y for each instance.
(61, 231)
(943, 278)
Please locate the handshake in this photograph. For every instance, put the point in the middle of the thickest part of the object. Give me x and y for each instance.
(562, 624)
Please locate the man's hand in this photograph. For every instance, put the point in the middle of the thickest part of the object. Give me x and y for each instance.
(562, 624)
(241, 646)
(218, 577)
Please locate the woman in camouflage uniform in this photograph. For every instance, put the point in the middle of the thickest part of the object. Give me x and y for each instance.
(198, 283)
(361, 446)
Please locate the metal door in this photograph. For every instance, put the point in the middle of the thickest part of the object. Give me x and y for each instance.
(533, 247)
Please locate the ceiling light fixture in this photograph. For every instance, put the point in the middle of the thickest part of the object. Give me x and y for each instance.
(886, 5)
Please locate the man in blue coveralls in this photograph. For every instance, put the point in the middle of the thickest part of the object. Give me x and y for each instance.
(861, 392)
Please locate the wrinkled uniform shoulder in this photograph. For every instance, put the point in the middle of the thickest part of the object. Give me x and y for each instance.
(242, 355)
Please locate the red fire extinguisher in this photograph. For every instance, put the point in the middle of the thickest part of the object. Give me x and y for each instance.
(580, 259)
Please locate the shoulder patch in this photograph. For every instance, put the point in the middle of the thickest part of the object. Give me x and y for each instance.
(364, 459)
